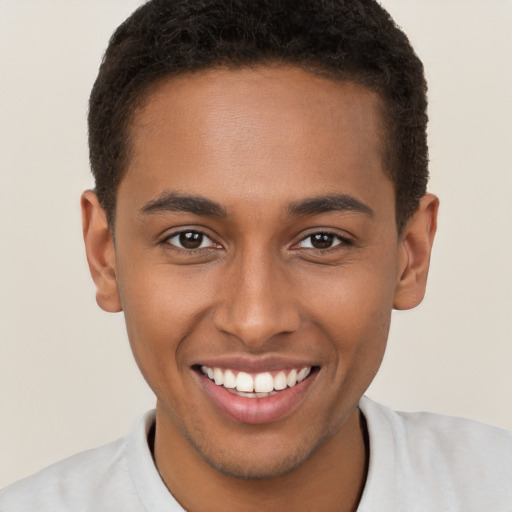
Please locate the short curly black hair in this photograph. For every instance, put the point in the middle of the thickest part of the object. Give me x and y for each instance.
(345, 40)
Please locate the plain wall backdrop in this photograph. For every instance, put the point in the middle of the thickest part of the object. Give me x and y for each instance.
(67, 379)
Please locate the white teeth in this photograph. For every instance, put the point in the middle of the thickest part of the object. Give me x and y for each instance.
(260, 385)
(218, 376)
(263, 383)
(229, 379)
(244, 382)
(292, 378)
(304, 372)
(251, 395)
(280, 381)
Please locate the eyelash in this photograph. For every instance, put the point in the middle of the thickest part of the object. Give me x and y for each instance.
(341, 241)
(193, 232)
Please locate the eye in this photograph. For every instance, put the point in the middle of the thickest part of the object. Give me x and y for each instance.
(322, 241)
(190, 240)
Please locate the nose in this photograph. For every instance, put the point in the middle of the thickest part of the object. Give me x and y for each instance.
(256, 301)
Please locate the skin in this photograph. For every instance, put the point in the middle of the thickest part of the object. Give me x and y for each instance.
(256, 142)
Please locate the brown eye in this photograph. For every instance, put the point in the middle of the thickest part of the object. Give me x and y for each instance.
(190, 240)
(322, 241)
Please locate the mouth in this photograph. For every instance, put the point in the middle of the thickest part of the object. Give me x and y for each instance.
(256, 397)
(258, 385)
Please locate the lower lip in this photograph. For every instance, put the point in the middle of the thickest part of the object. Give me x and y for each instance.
(256, 410)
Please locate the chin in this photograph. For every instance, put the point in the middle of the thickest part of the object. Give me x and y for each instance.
(256, 464)
(247, 468)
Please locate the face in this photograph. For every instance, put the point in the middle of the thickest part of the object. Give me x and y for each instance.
(257, 261)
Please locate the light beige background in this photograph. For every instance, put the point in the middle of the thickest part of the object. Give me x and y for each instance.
(67, 380)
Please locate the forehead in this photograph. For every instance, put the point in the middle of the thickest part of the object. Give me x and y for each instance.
(259, 131)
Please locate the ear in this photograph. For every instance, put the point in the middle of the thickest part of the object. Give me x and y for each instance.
(99, 246)
(415, 249)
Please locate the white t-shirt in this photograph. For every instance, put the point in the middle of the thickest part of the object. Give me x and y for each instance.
(418, 462)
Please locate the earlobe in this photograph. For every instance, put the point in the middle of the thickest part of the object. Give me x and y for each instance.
(99, 247)
(415, 249)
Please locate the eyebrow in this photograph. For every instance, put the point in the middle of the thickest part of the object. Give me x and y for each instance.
(176, 202)
(329, 203)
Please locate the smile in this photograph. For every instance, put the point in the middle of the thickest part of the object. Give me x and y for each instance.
(256, 397)
(259, 385)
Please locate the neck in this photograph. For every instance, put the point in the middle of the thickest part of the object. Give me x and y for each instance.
(332, 478)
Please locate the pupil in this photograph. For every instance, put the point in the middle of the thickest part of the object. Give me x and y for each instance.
(322, 240)
(191, 239)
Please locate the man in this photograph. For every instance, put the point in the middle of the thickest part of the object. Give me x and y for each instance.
(260, 207)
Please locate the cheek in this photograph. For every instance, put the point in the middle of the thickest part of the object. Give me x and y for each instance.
(353, 307)
(358, 336)
(159, 298)
(355, 299)
(161, 308)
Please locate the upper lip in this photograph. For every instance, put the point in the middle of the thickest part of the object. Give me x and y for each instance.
(251, 364)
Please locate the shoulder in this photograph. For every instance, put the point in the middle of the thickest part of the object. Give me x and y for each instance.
(71, 483)
(426, 428)
(441, 460)
(97, 479)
